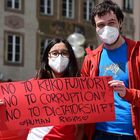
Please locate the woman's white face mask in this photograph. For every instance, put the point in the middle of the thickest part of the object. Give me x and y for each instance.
(58, 64)
(108, 34)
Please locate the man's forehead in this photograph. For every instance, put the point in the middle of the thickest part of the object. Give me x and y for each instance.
(107, 16)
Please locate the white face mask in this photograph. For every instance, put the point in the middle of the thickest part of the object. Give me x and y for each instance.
(58, 64)
(108, 34)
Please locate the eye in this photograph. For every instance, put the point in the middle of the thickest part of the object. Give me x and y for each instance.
(53, 54)
(65, 54)
(101, 25)
(111, 23)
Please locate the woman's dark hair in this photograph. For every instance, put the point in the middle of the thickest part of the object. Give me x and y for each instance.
(105, 7)
(45, 70)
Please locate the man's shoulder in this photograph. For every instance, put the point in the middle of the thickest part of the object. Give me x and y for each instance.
(131, 42)
(90, 51)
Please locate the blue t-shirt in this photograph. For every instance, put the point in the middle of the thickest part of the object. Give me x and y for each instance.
(114, 63)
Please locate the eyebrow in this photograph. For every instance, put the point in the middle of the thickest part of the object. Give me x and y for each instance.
(59, 50)
(112, 19)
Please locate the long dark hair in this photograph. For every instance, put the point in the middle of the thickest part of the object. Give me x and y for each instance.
(45, 70)
(105, 7)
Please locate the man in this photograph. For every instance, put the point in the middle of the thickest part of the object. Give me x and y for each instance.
(118, 57)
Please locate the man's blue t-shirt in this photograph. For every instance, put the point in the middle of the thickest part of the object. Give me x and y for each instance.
(114, 63)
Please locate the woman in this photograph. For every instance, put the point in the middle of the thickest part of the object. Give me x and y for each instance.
(58, 61)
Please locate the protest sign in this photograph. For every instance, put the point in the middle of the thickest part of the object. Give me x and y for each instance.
(59, 101)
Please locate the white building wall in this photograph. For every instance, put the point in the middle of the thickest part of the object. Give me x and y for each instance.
(1, 37)
(29, 31)
(136, 17)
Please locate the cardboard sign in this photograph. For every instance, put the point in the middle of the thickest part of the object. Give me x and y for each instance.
(60, 101)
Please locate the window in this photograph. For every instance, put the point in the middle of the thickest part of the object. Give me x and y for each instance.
(46, 7)
(128, 5)
(42, 47)
(43, 42)
(13, 47)
(68, 8)
(88, 4)
(14, 4)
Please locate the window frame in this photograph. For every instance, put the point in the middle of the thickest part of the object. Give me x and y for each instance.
(40, 48)
(13, 9)
(128, 6)
(21, 49)
(86, 13)
(51, 6)
(68, 10)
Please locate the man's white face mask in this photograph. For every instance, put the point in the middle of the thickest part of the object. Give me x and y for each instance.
(58, 64)
(108, 34)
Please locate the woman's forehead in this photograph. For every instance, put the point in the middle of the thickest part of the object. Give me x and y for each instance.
(59, 46)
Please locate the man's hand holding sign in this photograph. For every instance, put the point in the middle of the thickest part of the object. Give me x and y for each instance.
(58, 101)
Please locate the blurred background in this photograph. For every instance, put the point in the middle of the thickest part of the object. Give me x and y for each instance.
(27, 25)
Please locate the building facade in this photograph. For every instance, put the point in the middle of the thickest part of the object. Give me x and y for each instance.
(27, 25)
(18, 26)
